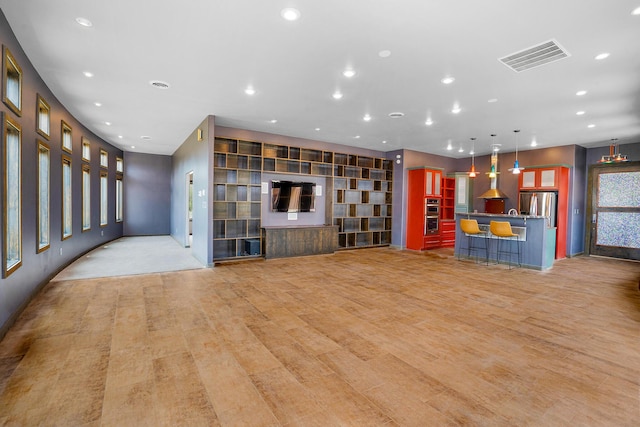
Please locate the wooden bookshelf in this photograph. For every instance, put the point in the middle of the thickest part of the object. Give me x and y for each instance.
(359, 193)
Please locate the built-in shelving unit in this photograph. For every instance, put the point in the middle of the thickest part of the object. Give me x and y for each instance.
(447, 213)
(359, 192)
(362, 200)
(236, 202)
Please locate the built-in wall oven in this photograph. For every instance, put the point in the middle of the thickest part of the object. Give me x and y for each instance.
(431, 216)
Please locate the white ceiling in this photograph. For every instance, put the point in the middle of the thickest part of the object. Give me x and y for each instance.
(209, 51)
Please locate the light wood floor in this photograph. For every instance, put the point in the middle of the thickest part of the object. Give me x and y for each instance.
(360, 338)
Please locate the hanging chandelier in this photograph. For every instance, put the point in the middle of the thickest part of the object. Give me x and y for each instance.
(614, 154)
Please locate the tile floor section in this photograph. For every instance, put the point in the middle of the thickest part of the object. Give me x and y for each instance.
(376, 337)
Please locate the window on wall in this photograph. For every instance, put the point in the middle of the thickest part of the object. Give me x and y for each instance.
(86, 198)
(67, 200)
(104, 199)
(12, 197)
(104, 159)
(12, 74)
(44, 194)
(86, 149)
(67, 144)
(43, 117)
(119, 199)
(119, 165)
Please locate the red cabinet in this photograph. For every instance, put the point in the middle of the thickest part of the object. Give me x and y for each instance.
(424, 208)
(541, 178)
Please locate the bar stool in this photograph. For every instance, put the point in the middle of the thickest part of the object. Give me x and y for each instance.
(472, 230)
(502, 230)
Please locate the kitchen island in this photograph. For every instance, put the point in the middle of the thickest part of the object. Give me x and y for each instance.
(536, 239)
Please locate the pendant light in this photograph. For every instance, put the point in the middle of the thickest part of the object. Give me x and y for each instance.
(516, 166)
(494, 157)
(472, 171)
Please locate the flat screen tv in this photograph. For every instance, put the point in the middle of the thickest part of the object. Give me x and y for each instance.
(290, 196)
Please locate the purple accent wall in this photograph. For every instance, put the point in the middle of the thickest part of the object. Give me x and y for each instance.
(147, 194)
(38, 268)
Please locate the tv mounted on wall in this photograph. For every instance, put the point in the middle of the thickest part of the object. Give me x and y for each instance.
(290, 196)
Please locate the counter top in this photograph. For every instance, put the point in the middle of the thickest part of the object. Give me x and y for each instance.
(500, 215)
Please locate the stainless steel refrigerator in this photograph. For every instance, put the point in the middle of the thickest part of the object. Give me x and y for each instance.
(544, 203)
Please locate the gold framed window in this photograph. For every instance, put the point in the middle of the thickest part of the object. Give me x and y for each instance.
(104, 159)
(12, 215)
(104, 199)
(44, 197)
(65, 137)
(12, 86)
(119, 199)
(86, 149)
(86, 198)
(43, 117)
(67, 199)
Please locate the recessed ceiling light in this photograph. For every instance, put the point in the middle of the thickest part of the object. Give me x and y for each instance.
(449, 146)
(384, 53)
(84, 22)
(456, 109)
(357, 137)
(317, 129)
(591, 126)
(87, 73)
(349, 73)
(120, 136)
(580, 113)
(250, 91)
(366, 118)
(290, 14)
(429, 122)
(159, 84)
(396, 115)
(107, 123)
(460, 150)
(601, 56)
(273, 121)
(448, 80)
(636, 11)
(133, 146)
(97, 104)
(534, 143)
(384, 142)
(145, 137)
(581, 92)
(337, 95)
(492, 100)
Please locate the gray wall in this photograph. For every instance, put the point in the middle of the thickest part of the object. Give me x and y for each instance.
(578, 203)
(147, 189)
(37, 269)
(197, 157)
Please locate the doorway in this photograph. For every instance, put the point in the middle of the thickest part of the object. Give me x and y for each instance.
(189, 213)
(613, 210)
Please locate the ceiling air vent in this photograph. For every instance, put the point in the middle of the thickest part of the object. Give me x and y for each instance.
(535, 56)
